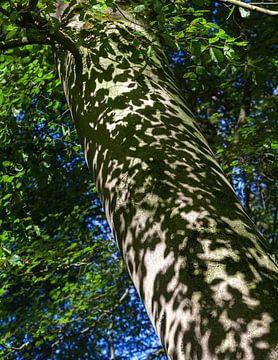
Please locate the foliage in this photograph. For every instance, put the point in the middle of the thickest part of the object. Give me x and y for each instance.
(61, 277)
(61, 280)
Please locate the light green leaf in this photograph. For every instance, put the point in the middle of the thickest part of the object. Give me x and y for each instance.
(231, 12)
(216, 55)
(244, 12)
(11, 34)
(15, 261)
(213, 40)
(229, 53)
(139, 8)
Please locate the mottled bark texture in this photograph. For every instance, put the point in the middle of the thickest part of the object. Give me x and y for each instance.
(199, 265)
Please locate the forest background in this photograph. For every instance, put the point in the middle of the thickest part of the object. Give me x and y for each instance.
(64, 290)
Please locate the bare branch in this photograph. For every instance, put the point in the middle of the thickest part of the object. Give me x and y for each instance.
(251, 7)
(111, 340)
(264, 3)
(15, 348)
(107, 313)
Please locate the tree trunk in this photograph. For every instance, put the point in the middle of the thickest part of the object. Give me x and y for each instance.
(200, 267)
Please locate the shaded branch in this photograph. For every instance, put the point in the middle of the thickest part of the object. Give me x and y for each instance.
(14, 43)
(111, 340)
(12, 348)
(46, 34)
(61, 38)
(251, 7)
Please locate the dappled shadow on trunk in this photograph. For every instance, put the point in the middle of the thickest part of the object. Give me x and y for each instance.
(199, 265)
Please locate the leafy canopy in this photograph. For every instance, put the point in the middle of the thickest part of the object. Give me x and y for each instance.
(61, 279)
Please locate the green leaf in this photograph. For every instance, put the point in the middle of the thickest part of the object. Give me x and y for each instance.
(229, 52)
(6, 251)
(7, 196)
(231, 12)
(213, 40)
(11, 33)
(157, 6)
(139, 8)
(195, 48)
(37, 230)
(7, 178)
(15, 261)
(200, 70)
(190, 75)
(18, 185)
(216, 55)
(244, 12)
(6, 163)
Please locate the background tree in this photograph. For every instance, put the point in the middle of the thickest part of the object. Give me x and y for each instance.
(189, 53)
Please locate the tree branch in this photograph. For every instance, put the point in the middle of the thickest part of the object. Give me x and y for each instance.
(251, 7)
(14, 43)
(15, 348)
(264, 3)
(43, 28)
(107, 313)
(111, 340)
(61, 38)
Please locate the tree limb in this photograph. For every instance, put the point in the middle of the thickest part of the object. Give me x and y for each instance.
(15, 348)
(111, 340)
(14, 43)
(251, 7)
(61, 38)
(45, 35)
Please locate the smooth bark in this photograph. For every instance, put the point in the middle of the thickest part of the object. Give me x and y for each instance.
(196, 259)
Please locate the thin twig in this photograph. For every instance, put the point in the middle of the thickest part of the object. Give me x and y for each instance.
(13, 348)
(251, 7)
(264, 3)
